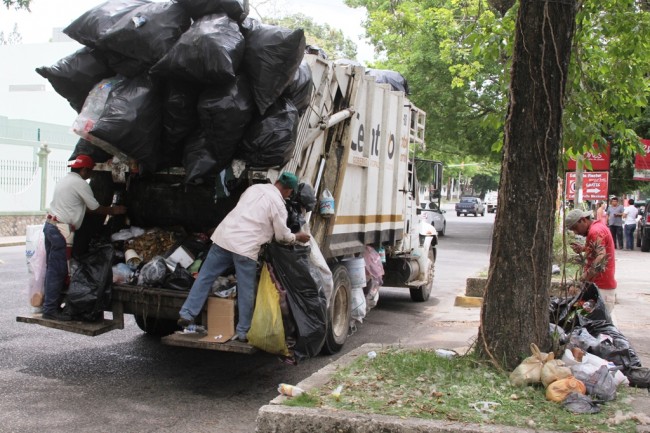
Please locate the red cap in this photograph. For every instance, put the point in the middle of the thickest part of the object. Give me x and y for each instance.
(82, 161)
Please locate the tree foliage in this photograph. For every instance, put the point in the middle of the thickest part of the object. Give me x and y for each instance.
(17, 4)
(331, 40)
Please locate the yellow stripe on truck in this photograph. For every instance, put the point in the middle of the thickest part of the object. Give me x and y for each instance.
(367, 219)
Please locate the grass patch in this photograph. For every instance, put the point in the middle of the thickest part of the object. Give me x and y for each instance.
(421, 384)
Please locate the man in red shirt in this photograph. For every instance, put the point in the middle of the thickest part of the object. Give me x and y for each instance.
(599, 252)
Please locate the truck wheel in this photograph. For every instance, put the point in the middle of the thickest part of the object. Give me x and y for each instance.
(457, 213)
(483, 213)
(339, 311)
(421, 294)
(156, 327)
(645, 242)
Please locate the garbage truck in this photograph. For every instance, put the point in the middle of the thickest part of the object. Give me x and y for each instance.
(356, 146)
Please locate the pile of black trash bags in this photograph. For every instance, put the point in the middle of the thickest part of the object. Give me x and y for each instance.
(583, 320)
(192, 83)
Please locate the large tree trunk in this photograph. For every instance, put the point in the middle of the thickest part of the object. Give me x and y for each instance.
(515, 308)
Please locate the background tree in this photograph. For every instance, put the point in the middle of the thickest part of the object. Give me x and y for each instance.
(14, 37)
(17, 4)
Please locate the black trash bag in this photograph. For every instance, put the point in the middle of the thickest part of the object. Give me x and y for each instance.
(569, 313)
(209, 52)
(131, 121)
(124, 65)
(394, 78)
(639, 377)
(618, 352)
(84, 147)
(198, 160)
(270, 139)
(317, 51)
(179, 119)
(89, 292)
(302, 198)
(146, 33)
(272, 57)
(74, 76)
(579, 403)
(153, 273)
(235, 9)
(180, 279)
(306, 299)
(92, 24)
(300, 89)
(224, 113)
(599, 384)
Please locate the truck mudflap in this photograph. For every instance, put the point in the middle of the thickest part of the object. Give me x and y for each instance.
(195, 341)
(90, 329)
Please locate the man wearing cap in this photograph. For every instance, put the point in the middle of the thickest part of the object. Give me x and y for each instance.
(72, 199)
(260, 216)
(599, 251)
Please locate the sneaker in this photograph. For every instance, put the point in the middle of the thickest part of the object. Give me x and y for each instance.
(184, 323)
(240, 338)
(57, 315)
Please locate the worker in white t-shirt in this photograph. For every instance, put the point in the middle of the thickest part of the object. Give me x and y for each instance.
(629, 223)
(72, 199)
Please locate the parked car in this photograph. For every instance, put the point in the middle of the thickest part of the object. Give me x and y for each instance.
(643, 230)
(491, 201)
(435, 216)
(470, 205)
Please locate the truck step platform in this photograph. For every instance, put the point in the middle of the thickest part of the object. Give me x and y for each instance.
(196, 341)
(90, 329)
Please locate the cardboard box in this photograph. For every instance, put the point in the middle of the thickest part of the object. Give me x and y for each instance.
(221, 320)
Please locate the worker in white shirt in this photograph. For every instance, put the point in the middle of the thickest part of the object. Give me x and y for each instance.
(259, 217)
(629, 223)
(72, 199)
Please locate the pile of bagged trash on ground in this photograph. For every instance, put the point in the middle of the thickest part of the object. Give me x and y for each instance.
(595, 360)
(186, 83)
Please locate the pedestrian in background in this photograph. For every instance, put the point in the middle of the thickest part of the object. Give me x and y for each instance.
(615, 222)
(629, 219)
(598, 249)
(601, 212)
(72, 199)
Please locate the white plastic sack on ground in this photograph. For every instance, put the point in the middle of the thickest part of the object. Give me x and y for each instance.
(32, 235)
(358, 304)
(38, 264)
(318, 260)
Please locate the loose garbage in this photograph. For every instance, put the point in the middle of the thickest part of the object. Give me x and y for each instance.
(595, 357)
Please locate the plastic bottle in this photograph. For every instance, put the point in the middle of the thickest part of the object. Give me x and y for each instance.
(382, 254)
(326, 204)
(289, 390)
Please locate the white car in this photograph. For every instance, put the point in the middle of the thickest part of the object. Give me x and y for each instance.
(433, 215)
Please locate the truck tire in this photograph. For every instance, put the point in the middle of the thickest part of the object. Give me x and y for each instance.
(339, 311)
(457, 213)
(483, 213)
(156, 327)
(645, 242)
(421, 294)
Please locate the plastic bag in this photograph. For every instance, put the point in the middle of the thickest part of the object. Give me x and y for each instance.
(93, 23)
(583, 339)
(89, 292)
(146, 33)
(578, 403)
(358, 304)
(85, 147)
(179, 119)
(74, 76)
(560, 389)
(530, 369)
(38, 265)
(93, 107)
(236, 9)
(209, 52)
(225, 111)
(290, 266)
(267, 331)
(121, 273)
(270, 139)
(272, 56)
(198, 160)
(153, 273)
(179, 279)
(131, 121)
(318, 261)
(300, 89)
(639, 377)
(600, 383)
(395, 79)
(554, 369)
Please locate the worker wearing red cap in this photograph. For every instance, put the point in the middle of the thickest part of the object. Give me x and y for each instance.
(72, 199)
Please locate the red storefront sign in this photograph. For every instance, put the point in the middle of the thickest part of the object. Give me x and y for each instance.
(642, 163)
(594, 185)
(599, 161)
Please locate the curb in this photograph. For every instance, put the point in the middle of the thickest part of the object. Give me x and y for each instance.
(278, 418)
(468, 301)
(12, 244)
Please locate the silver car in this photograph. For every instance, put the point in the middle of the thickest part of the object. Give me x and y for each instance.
(433, 215)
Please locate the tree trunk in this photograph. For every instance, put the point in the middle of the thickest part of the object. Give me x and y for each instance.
(515, 308)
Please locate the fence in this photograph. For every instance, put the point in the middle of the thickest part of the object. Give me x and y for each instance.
(22, 186)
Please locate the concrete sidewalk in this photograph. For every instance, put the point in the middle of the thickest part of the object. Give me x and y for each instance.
(12, 241)
(451, 327)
